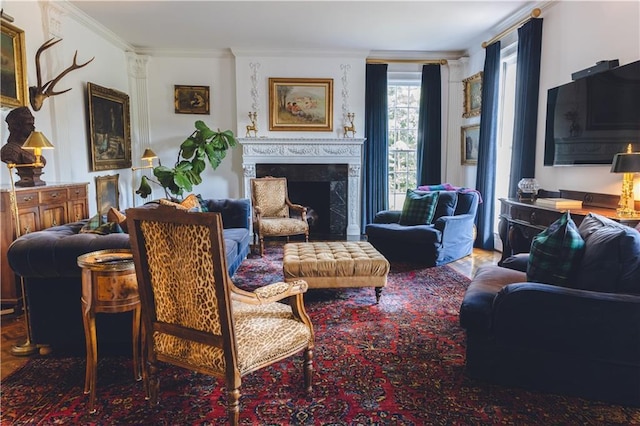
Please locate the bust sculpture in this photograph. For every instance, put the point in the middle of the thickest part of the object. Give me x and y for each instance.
(21, 123)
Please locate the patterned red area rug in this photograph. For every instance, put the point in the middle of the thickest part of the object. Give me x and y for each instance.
(400, 362)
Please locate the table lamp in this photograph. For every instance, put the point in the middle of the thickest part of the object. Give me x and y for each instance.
(627, 163)
(148, 155)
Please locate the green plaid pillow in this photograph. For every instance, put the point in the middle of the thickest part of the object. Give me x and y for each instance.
(418, 208)
(555, 253)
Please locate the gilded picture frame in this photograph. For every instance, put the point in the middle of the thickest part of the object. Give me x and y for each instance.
(13, 72)
(107, 194)
(472, 95)
(191, 99)
(470, 136)
(109, 128)
(301, 104)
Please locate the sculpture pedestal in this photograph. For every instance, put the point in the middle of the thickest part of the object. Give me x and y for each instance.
(30, 176)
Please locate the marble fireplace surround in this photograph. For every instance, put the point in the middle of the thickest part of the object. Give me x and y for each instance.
(299, 150)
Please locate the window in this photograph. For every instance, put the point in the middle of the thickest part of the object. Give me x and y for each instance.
(404, 105)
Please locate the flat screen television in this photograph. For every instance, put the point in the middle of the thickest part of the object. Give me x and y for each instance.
(591, 119)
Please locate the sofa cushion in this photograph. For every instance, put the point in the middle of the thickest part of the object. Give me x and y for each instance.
(190, 203)
(118, 217)
(447, 201)
(421, 234)
(611, 261)
(94, 226)
(556, 253)
(418, 208)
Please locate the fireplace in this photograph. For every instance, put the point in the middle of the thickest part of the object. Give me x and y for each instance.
(322, 188)
(328, 169)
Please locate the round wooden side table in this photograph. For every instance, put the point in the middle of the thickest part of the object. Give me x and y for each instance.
(109, 285)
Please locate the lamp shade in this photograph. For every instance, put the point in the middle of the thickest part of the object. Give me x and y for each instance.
(148, 154)
(37, 140)
(628, 162)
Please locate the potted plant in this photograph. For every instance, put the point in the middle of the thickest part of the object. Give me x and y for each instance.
(203, 145)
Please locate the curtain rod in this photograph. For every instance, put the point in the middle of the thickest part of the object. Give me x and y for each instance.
(534, 14)
(407, 61)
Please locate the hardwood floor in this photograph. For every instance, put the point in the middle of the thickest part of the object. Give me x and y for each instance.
(12, 329)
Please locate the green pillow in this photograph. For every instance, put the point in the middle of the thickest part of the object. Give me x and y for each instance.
(555, 253)
(93, 226)
(418, 208)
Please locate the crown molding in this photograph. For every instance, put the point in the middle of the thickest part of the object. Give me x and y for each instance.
(283, 52)
(95, 26)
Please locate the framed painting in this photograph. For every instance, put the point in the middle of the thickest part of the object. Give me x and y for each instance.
(302, 104)
(13, 74)
(469, 148)
(472, 95)
(109, 128)
(191, 99)
(107, 194)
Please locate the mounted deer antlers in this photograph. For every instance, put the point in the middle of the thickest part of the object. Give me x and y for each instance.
(38, 94)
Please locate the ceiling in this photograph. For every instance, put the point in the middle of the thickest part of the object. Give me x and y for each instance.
(423, 26)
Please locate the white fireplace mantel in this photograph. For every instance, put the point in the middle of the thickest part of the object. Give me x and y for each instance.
(309, 151)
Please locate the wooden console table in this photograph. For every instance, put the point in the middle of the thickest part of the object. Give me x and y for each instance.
(39, 207)
(520, 221)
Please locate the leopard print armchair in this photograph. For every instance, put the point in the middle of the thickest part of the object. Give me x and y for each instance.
(195, 317)
(271, 211)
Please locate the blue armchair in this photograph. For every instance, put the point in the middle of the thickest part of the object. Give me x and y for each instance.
(449, 237)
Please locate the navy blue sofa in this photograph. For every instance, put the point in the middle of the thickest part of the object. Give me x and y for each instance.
(581, 339)
(47, 261)
(449, 237)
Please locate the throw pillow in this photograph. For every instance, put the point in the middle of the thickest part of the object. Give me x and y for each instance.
(203, 204)
(556, 253)
(190, 203)
(93, 226)
(418, 208)
(611, 261)
(118, 217)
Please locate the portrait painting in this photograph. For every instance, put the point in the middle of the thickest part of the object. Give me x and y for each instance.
(301, 104)
(109, 128)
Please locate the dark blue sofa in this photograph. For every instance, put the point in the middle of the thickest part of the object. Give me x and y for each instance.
(450, 236)
(581, 339)
(47, 260)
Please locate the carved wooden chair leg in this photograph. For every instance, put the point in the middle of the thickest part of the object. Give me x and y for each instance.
(261, 246)
(233, 406)
(308, 370)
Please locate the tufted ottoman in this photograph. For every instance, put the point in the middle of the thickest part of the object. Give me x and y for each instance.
(336, 264)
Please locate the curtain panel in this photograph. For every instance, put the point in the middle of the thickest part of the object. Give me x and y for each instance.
(429, 150)
(487, 151)
(375, 172)
(523, 157)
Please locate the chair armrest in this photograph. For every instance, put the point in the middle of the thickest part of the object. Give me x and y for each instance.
(455, 229)
(387, 216)
(558, 319)
(302, 210)
(270, 293)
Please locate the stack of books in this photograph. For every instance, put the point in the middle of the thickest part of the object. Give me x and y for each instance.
(559, 203)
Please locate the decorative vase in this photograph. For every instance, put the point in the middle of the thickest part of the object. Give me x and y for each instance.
(528, 189)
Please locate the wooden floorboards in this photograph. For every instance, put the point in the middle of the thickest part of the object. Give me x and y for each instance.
(12, 328)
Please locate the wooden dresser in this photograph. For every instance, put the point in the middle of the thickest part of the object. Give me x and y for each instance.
(38, 208)
(520, 221)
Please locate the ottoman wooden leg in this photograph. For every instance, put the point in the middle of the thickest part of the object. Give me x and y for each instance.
(378, 294)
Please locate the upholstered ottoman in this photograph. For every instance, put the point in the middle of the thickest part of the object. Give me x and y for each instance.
(336, 264)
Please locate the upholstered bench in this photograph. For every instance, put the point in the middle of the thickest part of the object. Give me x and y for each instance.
(336, 264)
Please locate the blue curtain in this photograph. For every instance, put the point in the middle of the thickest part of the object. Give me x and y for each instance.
(486, 172)
(375, 172)
(523, 157)
(429, 127)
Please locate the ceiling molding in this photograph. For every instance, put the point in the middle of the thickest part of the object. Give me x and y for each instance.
(316, 53)
(84, 19)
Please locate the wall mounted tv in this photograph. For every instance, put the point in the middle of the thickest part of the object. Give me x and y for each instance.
(591, 119)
